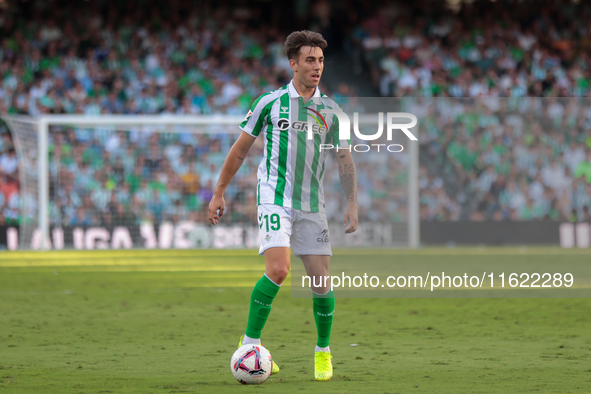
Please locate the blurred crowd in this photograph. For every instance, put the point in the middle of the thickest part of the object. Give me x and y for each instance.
(521, 49)
(505, 158)
(486, 164)
(86, 59)
(93, 62)
(138, 176)
(478, 162)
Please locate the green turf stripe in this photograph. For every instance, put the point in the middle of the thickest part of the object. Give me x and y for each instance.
(282, 159)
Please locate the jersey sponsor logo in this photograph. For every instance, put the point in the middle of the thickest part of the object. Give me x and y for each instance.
(319, 127)
(283, 124)
(303, 127)
(284, 109)
(318, 118)
(323, 236)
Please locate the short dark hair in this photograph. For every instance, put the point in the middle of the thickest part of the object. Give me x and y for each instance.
(303, 38)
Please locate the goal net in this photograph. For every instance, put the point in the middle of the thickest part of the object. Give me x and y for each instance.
(117, 181)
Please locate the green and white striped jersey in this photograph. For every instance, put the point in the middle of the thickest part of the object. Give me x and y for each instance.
(292, 169)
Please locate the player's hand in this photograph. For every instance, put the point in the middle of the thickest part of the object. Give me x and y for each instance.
(351, 219)
(216, 208)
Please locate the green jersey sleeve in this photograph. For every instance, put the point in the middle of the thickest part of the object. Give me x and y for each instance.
(256, 118)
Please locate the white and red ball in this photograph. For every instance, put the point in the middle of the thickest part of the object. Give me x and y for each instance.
(251, 364)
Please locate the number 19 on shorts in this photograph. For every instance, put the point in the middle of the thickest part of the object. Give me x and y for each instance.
(275, 224)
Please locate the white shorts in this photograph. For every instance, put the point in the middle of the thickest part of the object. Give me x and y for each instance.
(305, 232)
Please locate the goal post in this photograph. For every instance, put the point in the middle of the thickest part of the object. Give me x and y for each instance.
(414, 222)
(41, 180)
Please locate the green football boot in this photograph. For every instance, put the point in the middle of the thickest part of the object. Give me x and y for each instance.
(322, 366)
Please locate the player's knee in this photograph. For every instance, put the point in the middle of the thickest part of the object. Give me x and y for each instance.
(278, 273)
(321, 284)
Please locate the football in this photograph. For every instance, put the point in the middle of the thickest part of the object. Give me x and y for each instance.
(251, 364)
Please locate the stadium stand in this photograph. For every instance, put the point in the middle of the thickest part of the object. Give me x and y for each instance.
(508, 172)
(105, 60)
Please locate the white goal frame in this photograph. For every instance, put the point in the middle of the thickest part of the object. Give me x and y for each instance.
(44, 122)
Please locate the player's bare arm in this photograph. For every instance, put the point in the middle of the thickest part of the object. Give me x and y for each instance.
(231, 165)
(348, 178)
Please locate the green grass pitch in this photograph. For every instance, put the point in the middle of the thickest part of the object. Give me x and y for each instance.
(169, 321)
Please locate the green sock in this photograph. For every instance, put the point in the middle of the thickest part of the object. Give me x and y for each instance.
(323, 306)
(260, 306)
